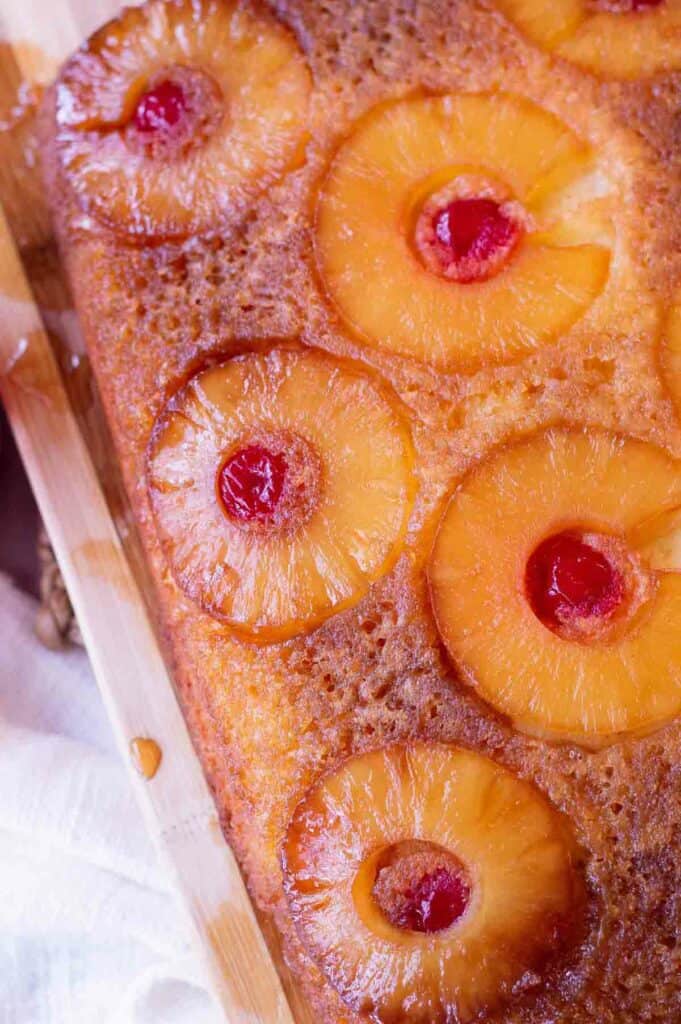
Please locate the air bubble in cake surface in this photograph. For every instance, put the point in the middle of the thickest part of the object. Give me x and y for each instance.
(273, 510)
(177, 113)
(439, 234)
(426, 881)
(545, 591)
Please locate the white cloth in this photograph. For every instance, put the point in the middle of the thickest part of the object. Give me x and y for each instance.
(90, 930)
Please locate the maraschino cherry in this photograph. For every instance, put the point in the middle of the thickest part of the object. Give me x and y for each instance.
(434, 903)
(473, 229)
(251, 483)
(160, 108)
(568, 579)
(467, 238)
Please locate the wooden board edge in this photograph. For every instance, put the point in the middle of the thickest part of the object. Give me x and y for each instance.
(127, 662)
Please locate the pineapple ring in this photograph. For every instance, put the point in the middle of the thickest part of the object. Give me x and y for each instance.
(272, 582)
(613, 43)
(405, 151)
(258, 74)
(526, 894)
(560, 480)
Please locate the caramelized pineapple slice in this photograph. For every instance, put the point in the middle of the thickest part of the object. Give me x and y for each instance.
(425, 881)
(611, 38)
(281, 485)
(176, 113)
(435, 238)
(544, 593)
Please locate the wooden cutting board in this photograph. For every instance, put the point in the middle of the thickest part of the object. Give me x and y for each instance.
(52, 405)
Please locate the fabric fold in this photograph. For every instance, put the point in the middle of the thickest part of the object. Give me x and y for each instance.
(90, 927)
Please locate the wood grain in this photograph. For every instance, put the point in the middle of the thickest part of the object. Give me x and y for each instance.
(50, 401)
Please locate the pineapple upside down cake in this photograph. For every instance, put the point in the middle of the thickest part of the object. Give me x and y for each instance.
(383, 303)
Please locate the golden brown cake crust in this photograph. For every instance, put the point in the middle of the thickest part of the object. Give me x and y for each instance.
(268, 720)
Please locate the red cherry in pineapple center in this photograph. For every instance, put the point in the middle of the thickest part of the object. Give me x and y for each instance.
(467, 239)
(420, 887)
(473, 228)
(251, 483)
(434, 903)
(161, 107)
(567, 579)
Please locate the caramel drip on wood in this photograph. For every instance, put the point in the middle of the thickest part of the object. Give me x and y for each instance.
(146, 756)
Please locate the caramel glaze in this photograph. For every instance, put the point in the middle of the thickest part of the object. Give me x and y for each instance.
(268, 720)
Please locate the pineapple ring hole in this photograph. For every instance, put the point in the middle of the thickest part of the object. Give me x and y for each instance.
(420, 887)
(270, 481)
(586, 586)
(176, 110)
(468, 230)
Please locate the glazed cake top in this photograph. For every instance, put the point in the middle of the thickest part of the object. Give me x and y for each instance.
(270, 719)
